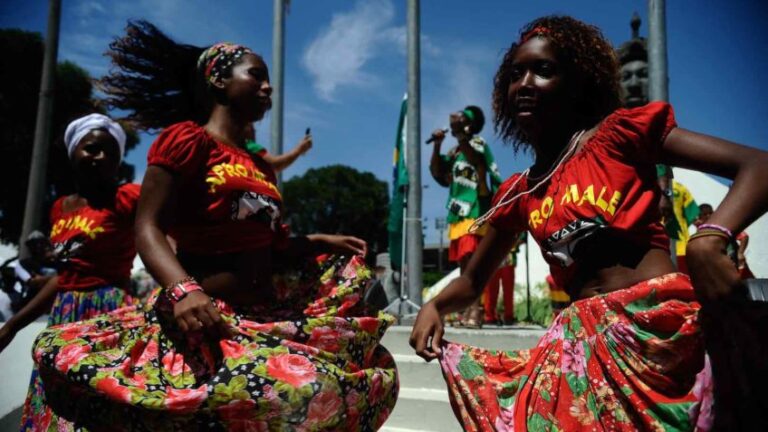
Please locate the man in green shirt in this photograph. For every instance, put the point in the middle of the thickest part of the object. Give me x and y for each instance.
(470, 173)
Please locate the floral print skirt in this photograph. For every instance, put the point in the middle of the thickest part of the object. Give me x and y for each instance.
(309, 359)
(68, 307)
(629, 360)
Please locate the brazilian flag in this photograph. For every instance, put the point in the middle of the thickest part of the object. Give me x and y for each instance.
(399, 191)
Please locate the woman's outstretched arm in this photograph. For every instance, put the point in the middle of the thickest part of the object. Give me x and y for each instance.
(40, 304)
(281, 162)
(427, 333)
(712, 272)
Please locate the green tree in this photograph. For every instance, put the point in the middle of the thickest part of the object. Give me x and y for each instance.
(339, 199)
(20, 72)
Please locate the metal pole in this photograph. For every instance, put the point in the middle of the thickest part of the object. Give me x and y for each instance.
(658, 86)
(658, 80)
(527, 283)
(440, 254)
(277, 75)
(404, 273)
(415, 240)
(440, 226)
(36, 185)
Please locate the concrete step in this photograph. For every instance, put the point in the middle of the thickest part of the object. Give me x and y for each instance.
(10, 422)
(416, 373)
(423, 402)
(504, 338)
(424, 410)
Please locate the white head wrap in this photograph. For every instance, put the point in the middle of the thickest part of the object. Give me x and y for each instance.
(80, 128)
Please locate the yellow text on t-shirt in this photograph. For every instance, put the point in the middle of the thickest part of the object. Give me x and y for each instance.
(571, 196)
(76, 222)
(224, 171)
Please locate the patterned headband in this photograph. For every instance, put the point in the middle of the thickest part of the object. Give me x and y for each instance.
(536, 31)
(217, 60)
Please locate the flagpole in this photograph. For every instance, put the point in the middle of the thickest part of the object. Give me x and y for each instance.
(658, 81)
(33, 206)
(278, 61)
(403, 274)
(527, 284)
(413, 220)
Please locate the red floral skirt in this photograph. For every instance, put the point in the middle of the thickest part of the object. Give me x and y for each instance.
(68, 307)
(629, 360)
(308, 360)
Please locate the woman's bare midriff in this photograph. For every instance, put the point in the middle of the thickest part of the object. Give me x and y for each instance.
(655, 262)
(243, 278)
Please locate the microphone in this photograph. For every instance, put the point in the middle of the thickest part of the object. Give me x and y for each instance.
(432, 138)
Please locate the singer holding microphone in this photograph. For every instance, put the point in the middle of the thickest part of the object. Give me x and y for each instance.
(470, 173)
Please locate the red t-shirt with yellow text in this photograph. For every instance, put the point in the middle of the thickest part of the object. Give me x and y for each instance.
(609, 184)
(95, 246)
(228, 201)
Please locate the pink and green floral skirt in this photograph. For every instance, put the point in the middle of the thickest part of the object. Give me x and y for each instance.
(68, 307)
(628, 360)
(309, 359)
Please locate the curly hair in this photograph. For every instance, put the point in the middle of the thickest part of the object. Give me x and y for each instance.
(584, 54)
(154, 78)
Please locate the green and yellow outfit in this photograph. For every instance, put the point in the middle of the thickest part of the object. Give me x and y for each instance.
(464, 202)
(686, 211)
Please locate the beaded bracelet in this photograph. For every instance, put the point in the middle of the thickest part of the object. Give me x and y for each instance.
(708, 233)
(180, 281)
(180, 289)
(716, 227)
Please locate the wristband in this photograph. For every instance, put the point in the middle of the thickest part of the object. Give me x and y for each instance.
(180, 281)
(716, 227)
(180, 289)
(708, 233)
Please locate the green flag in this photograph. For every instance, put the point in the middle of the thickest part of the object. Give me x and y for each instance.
(399, 184)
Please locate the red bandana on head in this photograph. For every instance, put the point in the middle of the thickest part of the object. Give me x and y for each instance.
(535, 32)
(217, 59)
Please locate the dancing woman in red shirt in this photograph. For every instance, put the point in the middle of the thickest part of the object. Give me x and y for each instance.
(92, 233)
(227, 345)
(628, 354)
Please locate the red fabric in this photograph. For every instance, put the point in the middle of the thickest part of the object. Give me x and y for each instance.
(212, 214)
(95, 246)
(629, 360)
(464, 245)
(744, 272)
(613, 178)
(506, 276)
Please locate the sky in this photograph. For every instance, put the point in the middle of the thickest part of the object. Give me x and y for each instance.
(345, 65)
